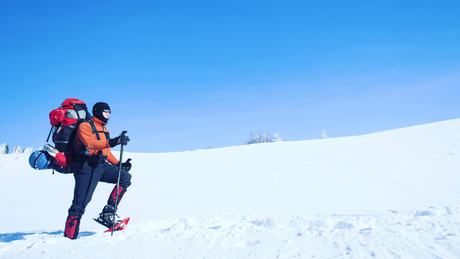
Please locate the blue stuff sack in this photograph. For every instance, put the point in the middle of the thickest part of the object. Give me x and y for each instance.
(41, 160)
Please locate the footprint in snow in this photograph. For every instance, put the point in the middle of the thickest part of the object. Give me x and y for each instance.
(247, 243)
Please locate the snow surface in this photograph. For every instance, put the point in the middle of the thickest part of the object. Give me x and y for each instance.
(392, 194)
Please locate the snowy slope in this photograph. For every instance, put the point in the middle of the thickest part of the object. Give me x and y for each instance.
(383, 195)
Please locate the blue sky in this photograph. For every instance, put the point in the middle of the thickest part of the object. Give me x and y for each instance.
(187, 75)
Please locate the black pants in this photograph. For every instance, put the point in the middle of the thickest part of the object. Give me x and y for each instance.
(87, 178)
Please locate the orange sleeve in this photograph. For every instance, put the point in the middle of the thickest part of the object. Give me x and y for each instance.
(111, 158)
(85, 135)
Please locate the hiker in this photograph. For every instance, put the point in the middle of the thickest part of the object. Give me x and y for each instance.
(93, 163)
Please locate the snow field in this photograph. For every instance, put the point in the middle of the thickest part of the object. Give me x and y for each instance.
(392, 194)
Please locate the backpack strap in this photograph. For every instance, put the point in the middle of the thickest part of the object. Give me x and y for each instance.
(80, 151)
(83, 158)
(51, 130)
(95, 131)
(93, 127)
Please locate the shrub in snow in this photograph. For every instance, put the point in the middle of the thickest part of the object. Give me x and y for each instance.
(29, 150)
(277, 138)
(259, 137)
(4, 148)
(324, 136)
(17, 150)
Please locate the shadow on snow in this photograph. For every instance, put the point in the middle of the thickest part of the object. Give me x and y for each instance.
(10, 237)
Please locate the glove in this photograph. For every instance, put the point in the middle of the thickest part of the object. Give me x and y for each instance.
(122, 139)
(126, 165)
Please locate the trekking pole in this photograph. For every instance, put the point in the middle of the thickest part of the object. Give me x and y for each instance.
(118, 181)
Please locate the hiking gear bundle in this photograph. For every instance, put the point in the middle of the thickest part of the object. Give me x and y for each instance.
(40, 160)
(64, 120)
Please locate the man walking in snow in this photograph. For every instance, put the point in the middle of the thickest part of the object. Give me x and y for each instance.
(93, 163)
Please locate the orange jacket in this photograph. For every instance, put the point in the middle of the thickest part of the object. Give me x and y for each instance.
(86, 138)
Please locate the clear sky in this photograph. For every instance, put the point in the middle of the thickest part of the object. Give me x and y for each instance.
(187, 75)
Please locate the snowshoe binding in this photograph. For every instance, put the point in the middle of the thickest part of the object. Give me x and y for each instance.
(106, 218)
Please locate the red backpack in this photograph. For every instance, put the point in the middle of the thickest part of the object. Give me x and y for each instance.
(65, 120)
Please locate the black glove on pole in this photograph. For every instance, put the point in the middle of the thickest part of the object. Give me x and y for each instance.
(126, 165)
(122, 139)
(118, 180)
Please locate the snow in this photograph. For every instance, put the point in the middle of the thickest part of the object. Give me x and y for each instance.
(392, 194)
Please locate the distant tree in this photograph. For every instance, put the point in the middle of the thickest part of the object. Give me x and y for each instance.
(29, 150)
(17, 150)
(277, 138)
(324, 136)
(4, 148)
(259, 137)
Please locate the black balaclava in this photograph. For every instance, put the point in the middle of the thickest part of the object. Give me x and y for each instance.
(98, 108)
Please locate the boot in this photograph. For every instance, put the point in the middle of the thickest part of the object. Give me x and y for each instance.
(72, 226)
(106, 218)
